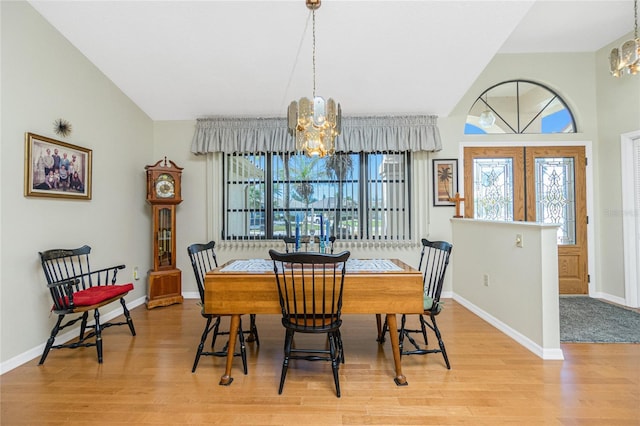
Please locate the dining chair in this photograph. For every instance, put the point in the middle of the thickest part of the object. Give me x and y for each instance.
(289, 244)
(310, 294)
(203, 259)
(434, 259)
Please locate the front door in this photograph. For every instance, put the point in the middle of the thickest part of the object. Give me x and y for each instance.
(535, 184)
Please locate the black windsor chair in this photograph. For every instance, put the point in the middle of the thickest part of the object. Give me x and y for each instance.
(203, 259)
(434, 259)
(310, 294)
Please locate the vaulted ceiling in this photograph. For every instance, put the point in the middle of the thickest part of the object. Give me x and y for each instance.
(180, 60)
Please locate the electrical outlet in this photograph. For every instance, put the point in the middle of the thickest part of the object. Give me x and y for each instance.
(135, 274)
(485, 280)
(519, 242)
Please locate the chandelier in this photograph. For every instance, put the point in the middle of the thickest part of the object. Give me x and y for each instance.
(626, 59)
(486, 119)
(315, 123)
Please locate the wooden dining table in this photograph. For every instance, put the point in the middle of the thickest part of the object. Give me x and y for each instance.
(371, 286)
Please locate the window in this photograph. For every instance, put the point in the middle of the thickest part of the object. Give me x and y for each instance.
(521, 107)
(353, 196)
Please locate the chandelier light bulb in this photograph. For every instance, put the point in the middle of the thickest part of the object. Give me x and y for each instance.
(487, 119)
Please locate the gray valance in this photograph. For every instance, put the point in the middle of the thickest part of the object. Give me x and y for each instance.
(359, 134)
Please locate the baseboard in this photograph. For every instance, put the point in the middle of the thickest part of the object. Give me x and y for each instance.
(36, 352)
(191, 295)
(610, 298)
(544, 353)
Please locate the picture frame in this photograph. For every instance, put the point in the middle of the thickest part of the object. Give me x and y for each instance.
(67, 176)
(445, 181)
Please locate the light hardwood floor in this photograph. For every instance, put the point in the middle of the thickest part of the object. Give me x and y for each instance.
(147, 379)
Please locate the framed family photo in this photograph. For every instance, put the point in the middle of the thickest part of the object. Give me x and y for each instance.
(56, 169)
(445, 182)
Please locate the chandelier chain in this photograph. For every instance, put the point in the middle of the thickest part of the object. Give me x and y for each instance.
(314, 53)
(635, 14)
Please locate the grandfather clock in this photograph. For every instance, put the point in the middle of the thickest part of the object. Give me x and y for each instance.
(163, 193)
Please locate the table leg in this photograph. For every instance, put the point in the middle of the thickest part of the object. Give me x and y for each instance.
(233, 335)
(400, 379)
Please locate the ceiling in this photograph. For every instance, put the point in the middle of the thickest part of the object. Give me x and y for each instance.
(180, 60)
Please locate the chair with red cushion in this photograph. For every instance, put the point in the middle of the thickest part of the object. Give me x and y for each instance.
(76, 289)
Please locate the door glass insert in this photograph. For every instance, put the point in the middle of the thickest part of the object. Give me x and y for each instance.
(164, 237)
(555, 196)
(493, 188)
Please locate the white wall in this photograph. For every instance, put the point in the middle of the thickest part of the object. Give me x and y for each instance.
(45, 78)
(513, 288)
(618, 110)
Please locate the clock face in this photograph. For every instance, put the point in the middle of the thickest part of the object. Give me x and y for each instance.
(164, 186)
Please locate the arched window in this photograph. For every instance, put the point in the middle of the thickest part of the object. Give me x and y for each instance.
(519, 106)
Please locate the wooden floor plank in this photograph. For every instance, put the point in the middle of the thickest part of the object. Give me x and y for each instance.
(147, 379)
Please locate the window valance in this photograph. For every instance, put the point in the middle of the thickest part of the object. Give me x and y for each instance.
(359, 134)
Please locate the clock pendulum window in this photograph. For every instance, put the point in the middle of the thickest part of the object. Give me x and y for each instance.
(163, 193)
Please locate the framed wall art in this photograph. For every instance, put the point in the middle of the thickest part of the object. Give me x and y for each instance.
(56, 169)
(445, 182)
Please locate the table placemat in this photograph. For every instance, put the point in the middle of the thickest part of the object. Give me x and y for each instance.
(356, 265)
(249, 265)
(372, 265)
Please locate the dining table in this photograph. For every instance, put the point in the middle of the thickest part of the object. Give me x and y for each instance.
(371, 286)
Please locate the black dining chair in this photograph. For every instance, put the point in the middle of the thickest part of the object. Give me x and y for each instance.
(310, 295)
(289, 244)
(434, 259)
(203, 259)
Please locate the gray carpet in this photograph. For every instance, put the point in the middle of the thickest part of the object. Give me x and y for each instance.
(587, 320)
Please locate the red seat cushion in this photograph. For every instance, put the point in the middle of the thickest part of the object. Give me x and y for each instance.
(95, 295)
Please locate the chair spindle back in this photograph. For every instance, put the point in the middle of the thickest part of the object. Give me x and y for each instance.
(434, 259)
(73, 265)
(310, 289)
(203, 259)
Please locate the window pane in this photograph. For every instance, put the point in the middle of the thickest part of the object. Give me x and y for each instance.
(493, 188)
(349, 196)
(519, 106)
(245, 196)
(387, 197)
(341, 198)
(555, 196)
(558, 121)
